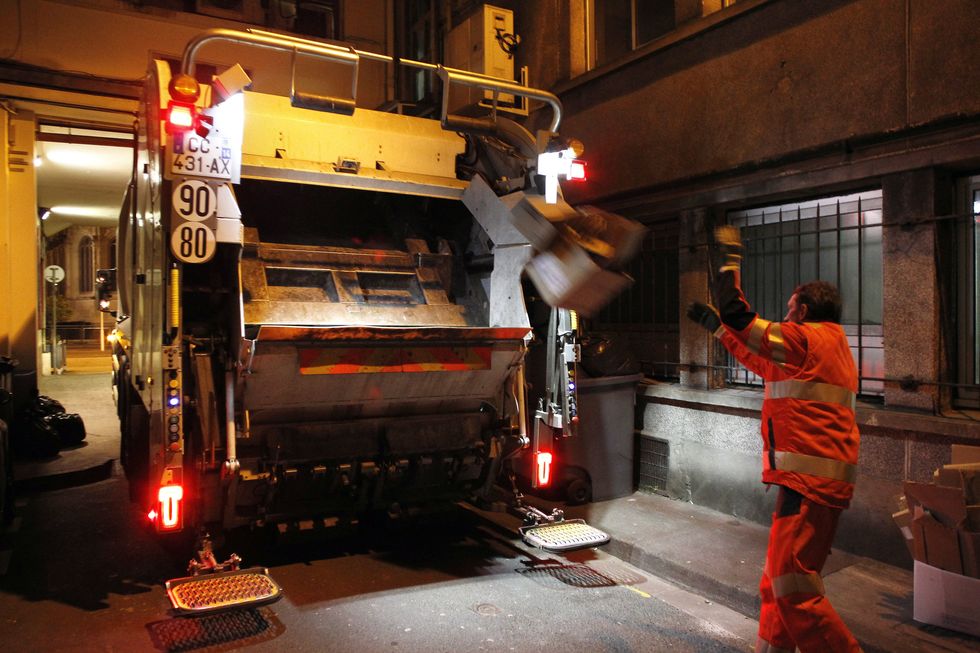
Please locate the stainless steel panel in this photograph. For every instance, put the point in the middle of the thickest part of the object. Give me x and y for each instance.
(271, 169)
(276, 391)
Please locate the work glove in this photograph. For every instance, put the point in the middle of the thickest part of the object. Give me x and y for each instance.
(706, 315)
(729, 246)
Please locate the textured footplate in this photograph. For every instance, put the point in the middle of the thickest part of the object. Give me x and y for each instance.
(564, 535)
(226, 590)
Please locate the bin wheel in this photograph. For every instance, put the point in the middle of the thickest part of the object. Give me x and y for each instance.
(578, 487)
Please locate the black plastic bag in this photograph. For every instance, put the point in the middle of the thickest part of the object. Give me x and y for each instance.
(44, 405)
(69, 427)
(35, 438)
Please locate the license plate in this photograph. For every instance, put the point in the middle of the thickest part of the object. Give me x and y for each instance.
(201, 157)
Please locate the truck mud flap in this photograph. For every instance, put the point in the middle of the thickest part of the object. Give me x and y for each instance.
(228, 590)
(566, 535)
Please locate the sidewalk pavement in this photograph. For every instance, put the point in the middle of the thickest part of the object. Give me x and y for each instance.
(84, 388)
(721, 557)
(715, 555)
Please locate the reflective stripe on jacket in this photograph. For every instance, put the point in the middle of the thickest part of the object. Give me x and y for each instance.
(809, 436)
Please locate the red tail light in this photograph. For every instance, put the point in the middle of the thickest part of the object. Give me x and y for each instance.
(576, 170)
(181, 117)
(169, 507)
(542, 468)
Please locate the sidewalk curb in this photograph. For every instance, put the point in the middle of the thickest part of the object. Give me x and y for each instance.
(65, 480)
(741, 599)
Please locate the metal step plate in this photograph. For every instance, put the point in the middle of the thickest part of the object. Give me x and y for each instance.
(564, 535)
(223, 591)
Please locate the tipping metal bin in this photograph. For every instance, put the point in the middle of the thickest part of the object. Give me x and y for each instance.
(603, 448)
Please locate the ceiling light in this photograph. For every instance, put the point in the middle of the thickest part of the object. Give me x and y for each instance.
(92, 157)
(69, 156)
(38, 161)
(85, 211)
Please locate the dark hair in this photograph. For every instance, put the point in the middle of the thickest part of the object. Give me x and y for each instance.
(822, 300)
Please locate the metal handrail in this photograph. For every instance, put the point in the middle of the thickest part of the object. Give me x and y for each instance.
(475, 80)
(351, 56)
(293, 45)
(265, 40)
(448, 75)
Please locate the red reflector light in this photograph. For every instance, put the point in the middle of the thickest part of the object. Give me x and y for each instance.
(180, 117)
(542, 468)
(169, 499)
(576, 170)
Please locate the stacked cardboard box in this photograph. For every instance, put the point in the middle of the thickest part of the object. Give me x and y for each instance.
(941, 524)
(580, 251)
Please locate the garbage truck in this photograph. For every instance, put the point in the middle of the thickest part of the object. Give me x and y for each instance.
(321, 308)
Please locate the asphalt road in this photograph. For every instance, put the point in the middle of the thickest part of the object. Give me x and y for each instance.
(78, 572)
(81, 575)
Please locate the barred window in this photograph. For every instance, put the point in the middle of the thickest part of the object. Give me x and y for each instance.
(645, 315)
(965, 356)
(86, 265)
(836, 239)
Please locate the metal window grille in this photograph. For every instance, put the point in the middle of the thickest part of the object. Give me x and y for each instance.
(966, 309)
(836, 239)
(654, 464)
(645, 314)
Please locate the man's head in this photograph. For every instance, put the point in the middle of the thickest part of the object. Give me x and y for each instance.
(816, 301)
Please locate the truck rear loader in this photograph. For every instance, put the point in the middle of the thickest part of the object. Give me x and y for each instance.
(321, 308)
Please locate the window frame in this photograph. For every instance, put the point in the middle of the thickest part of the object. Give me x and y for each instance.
(965, 354)
(863, 215)
(592, 32)
(86, 265)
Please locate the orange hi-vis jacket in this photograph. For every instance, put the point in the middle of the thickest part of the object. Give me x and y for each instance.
(809, 437)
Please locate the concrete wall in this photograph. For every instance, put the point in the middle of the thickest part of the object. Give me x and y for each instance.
(780, 77)
(716, 460)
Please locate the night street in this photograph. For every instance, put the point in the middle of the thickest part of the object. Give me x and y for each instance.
(451, 325)
(82, 575)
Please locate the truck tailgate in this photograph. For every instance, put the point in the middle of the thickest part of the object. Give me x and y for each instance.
(334, 373)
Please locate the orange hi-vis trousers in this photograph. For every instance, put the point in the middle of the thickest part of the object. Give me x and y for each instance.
(795, 612)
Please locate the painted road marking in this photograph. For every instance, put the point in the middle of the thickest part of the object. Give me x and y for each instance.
(638, 591)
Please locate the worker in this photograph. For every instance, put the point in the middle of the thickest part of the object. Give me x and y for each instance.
(809, 444)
